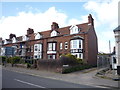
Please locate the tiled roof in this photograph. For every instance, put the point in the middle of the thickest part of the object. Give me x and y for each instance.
(117, 29)
(8, 40)
(65, 30)
(19, 38)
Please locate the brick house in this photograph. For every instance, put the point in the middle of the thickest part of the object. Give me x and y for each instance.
(79, 40)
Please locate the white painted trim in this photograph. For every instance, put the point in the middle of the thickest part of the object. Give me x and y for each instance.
(51, 52)
(53, 33)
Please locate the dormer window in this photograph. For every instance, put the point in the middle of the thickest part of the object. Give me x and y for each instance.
(53, 33)
(14, 40)
(38, 36)
(74, 29)
(5, 42)
(25, 38)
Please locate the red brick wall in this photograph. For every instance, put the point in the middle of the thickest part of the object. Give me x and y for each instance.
(92, 47)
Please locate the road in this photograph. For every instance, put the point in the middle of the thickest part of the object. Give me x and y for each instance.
(12, 79)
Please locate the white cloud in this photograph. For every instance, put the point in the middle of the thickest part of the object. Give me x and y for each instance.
(105, 16)
(82, 19)
(106, 19)
(38, 21)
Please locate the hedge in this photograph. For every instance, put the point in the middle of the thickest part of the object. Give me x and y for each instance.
(75, 68)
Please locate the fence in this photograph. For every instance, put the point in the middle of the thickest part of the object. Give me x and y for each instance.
(103, 61)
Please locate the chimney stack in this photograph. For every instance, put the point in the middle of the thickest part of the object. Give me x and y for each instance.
(30, 31)
(90, 20)
(11, 36)
(54, 26)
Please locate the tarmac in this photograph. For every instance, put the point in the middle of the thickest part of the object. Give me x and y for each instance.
(84, 77)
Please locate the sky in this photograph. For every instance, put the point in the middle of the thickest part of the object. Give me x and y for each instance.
(17, 17)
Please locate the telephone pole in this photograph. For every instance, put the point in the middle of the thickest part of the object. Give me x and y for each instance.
(109, 47)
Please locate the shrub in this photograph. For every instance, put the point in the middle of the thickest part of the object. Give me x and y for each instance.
(71, 56)
(15, 59)
(71, 59)
(3, 58)
(75, 68)
(28, 65)
(64, 60)
(9, 60)
(80, 61)
(22, 61)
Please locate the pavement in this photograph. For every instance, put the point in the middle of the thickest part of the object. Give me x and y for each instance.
(85, 77)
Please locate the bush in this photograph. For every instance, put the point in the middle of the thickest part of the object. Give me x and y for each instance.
(75, 68)
(71, 56)
(22, 61)
(71, 59)
(3, 58)
(64, 60)
(9, 60)
(15, 59)
(28, 65)
(80, 61)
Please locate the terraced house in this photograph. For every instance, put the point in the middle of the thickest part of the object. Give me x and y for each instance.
(79, 40)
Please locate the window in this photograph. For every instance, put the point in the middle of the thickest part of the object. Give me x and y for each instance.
(53, 33)
(35, 56)
(35, 48)
(66, 45)
(81, 55)
(31, 48)
(25, 38)
(38, 36)
(51, 56)
(51, 46)
(40, 47)
(76, 44)
(13, 40)
(74, 29)
(80, 44)
(60, 45)
(114, 60)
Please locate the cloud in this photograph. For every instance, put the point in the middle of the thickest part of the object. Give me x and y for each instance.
(82, 19)
(105, 16)
(106, 19)
(38, 21)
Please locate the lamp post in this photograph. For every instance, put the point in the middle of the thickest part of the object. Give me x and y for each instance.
(117, 41)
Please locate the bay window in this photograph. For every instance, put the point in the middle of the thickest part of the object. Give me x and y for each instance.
(77, 48)
(51, 46)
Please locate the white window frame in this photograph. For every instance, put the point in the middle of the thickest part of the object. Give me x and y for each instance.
(66, 45)
(51, 46)
(38, 36)
(38, 51)
(77, 45)
(35, 48)
(61, 45)
(74, 29)
(24, 38)
(14, 40)
(53, 56)
(53, 33)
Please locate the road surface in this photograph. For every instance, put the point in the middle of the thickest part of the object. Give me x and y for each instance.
(12, 79)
